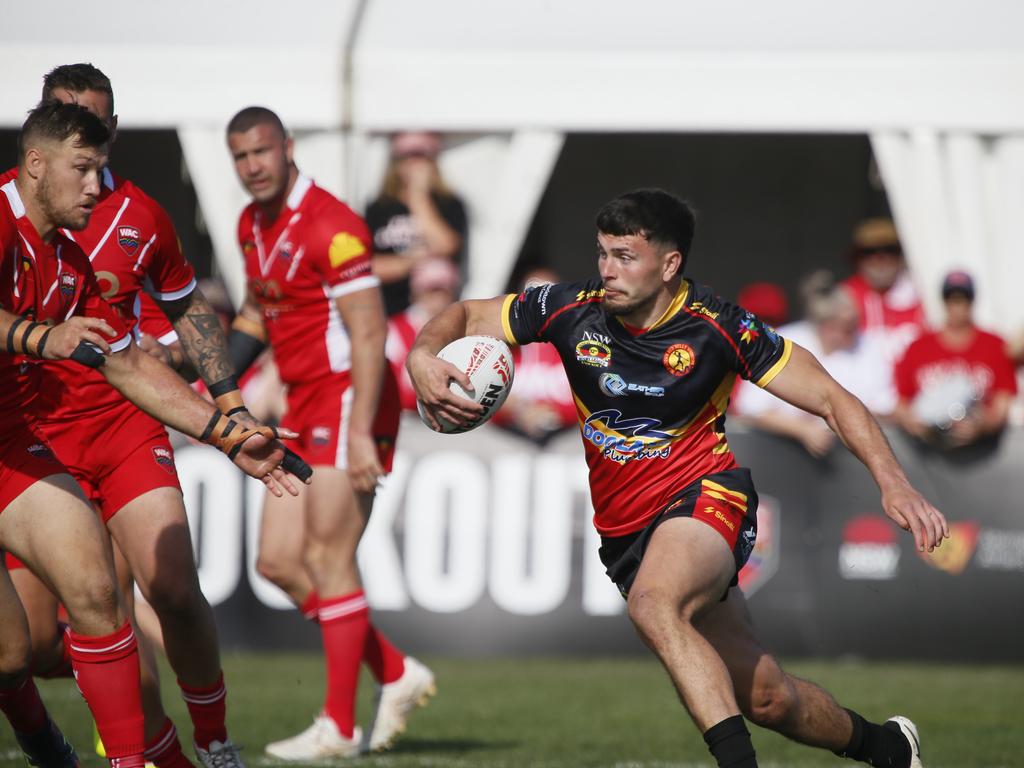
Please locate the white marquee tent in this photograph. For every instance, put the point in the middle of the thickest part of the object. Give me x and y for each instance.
(936, 86)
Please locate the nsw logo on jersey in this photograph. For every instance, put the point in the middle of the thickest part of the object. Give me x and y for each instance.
(679, 359)
(594, 353)
(128, 239)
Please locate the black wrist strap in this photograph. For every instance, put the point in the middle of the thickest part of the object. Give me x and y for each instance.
(10, 334)
(237, 409)
(222, 387)
(42, 343)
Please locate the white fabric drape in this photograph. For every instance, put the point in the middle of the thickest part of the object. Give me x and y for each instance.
(957, 199)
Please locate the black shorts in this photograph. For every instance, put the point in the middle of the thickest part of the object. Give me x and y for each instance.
(726, 501)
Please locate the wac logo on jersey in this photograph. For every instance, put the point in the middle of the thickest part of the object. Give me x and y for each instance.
(128, 239)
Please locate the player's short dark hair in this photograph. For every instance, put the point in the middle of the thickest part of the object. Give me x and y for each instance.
(56, 121)
(654, 214)
(250, 117)
(77, 78)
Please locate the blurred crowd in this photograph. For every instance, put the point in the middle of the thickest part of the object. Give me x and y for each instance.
(948, 386)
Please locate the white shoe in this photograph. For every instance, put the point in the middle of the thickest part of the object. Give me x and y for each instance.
(396, 700)
(221, 754)
(910, 731)
(322, 739)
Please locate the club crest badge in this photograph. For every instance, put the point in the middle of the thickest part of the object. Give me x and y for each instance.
(128, 239)
(679, 359)
(164, 458)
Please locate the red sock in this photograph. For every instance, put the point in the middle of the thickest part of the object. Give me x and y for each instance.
(311, 607)
(164, 749)
(62, 668)
(24, 709)
(107, 672)
(343, 624)
(385, 661)
(208, 709)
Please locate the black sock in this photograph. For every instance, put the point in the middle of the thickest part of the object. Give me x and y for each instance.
(729, 741)
(883, 746)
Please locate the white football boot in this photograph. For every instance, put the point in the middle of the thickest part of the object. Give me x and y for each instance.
(909, 730)
(395, 701)
(221, 754)
(321, 740)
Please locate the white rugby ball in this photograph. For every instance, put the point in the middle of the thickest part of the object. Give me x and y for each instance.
(488, 363)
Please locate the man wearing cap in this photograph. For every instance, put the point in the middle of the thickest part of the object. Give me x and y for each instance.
(955, 384)
(889, 305)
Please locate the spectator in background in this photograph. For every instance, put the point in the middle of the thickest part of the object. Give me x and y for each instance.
(540, 404)
(956, 384)
(767, 301)
(830, 332)
(890, 308)
(415, 217)
(434, 284)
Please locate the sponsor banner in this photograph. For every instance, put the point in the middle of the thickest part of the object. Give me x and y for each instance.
(482, 544)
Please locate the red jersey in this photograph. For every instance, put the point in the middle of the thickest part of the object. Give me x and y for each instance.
(894, 318)
(402, 331)
(47, 282)
(929, 361)
(314, 251)
(132, 246)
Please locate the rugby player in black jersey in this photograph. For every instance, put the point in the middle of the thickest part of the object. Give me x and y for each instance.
(651, 358)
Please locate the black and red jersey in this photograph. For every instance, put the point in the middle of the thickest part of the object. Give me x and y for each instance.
(651, 401)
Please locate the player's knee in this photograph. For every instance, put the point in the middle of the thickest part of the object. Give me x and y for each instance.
(275, 570)
(771, 705)
(652, 613)
(174, 595)
(93, 602)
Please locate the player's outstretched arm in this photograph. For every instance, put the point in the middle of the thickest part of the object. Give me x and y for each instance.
(807, 385)
(161, 393)
(431, 376)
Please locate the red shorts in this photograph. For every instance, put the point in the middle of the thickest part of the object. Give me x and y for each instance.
(25, 458)
(319, 412)
(116, 456)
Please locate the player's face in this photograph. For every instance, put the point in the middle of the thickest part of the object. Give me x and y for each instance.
(633, 270)
(262, 159)
(68, 181)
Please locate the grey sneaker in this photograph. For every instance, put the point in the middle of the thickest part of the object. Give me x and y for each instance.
(221, 754)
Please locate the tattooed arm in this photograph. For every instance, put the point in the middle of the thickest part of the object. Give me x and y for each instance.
(201, 336)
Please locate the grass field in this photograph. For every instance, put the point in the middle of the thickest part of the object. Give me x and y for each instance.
(555, 713)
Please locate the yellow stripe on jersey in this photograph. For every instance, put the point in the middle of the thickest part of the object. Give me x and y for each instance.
(506, 326)
(775, 370)
(677, 303)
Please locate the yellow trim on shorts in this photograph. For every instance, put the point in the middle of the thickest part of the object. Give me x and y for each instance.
(716, 491)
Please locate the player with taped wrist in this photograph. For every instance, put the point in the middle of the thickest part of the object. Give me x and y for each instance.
(313, 299)
(44, 519)
(131, 480)
(677, 516)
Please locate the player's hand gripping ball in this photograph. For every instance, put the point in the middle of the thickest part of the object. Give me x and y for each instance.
(487, 362)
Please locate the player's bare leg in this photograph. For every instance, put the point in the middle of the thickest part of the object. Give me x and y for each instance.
(282, 537)
(103, 647)
(152, 532)
(685, 570)
(798, 709)
(49, 650)
(38, 736)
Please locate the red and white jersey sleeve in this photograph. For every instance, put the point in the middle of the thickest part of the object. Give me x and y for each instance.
(315, 251)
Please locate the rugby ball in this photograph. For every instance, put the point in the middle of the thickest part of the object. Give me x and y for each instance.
(488, 363)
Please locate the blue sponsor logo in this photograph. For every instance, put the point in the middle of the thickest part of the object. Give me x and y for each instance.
(622, 439)
(614, 385)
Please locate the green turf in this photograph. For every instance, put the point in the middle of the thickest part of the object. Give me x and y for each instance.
(552, 713)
